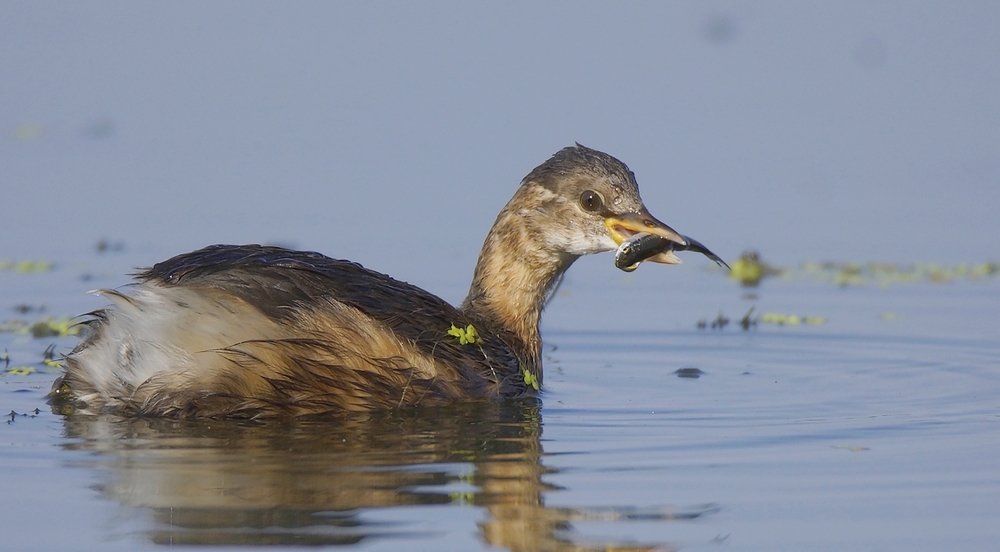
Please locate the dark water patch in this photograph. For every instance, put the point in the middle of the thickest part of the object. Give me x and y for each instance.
(689, 373)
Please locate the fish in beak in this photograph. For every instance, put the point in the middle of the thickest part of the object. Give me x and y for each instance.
(641, 237)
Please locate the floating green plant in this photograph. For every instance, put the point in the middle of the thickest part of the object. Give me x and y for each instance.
(465, 335)
(15, 326)
(26, 266)
(790, 319)
(20, 370)
(462, 499)
(886, 274)
(530, 378)
(54, 327)
(46, 327)
(749, 269)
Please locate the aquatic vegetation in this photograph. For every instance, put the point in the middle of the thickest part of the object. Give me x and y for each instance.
(530, 378)
(749, 270)
(19, 371)
(465, 335)
(54, 327)
(750, 321)
(746, 322)
(15, 326)
(790, 319)
(462, 499)
(48, 361)
(885, 274)
(717, 324)
(26, 266)
(46, 327)
(49, 357)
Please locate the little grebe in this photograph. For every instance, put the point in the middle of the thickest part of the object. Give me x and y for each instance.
(256, 331)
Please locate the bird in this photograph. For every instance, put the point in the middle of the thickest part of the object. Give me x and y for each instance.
(254, 331)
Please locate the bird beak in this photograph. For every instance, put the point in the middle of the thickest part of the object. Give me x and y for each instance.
(623, 227)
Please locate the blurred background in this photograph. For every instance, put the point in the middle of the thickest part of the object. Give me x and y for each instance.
(392, 133)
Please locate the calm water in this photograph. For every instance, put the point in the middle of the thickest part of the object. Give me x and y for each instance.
(392, 134)
(876, 430)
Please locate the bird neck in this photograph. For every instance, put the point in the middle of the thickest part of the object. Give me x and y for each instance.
(513, 278)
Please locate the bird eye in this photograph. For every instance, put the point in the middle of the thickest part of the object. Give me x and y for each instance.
(591, 200)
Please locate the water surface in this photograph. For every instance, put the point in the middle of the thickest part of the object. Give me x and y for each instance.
(864, 432)
(393, 134)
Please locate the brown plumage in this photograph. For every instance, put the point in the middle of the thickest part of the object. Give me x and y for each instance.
(254, 331)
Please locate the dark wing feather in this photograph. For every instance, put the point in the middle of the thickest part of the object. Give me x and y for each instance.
(274, 279)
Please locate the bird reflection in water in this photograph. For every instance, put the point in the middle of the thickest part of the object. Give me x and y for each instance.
(298, 482)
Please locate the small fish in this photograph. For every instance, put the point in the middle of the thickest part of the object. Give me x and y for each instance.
(638, 248)
(648, 247)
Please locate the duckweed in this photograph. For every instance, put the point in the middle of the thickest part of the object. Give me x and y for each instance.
(465, 335)
(20, 370)
(462, 499)
(530, 378)
(15, 326)
(46, 327)
(790, 319)
(749, 270)
(54, 327)
(26, 266)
